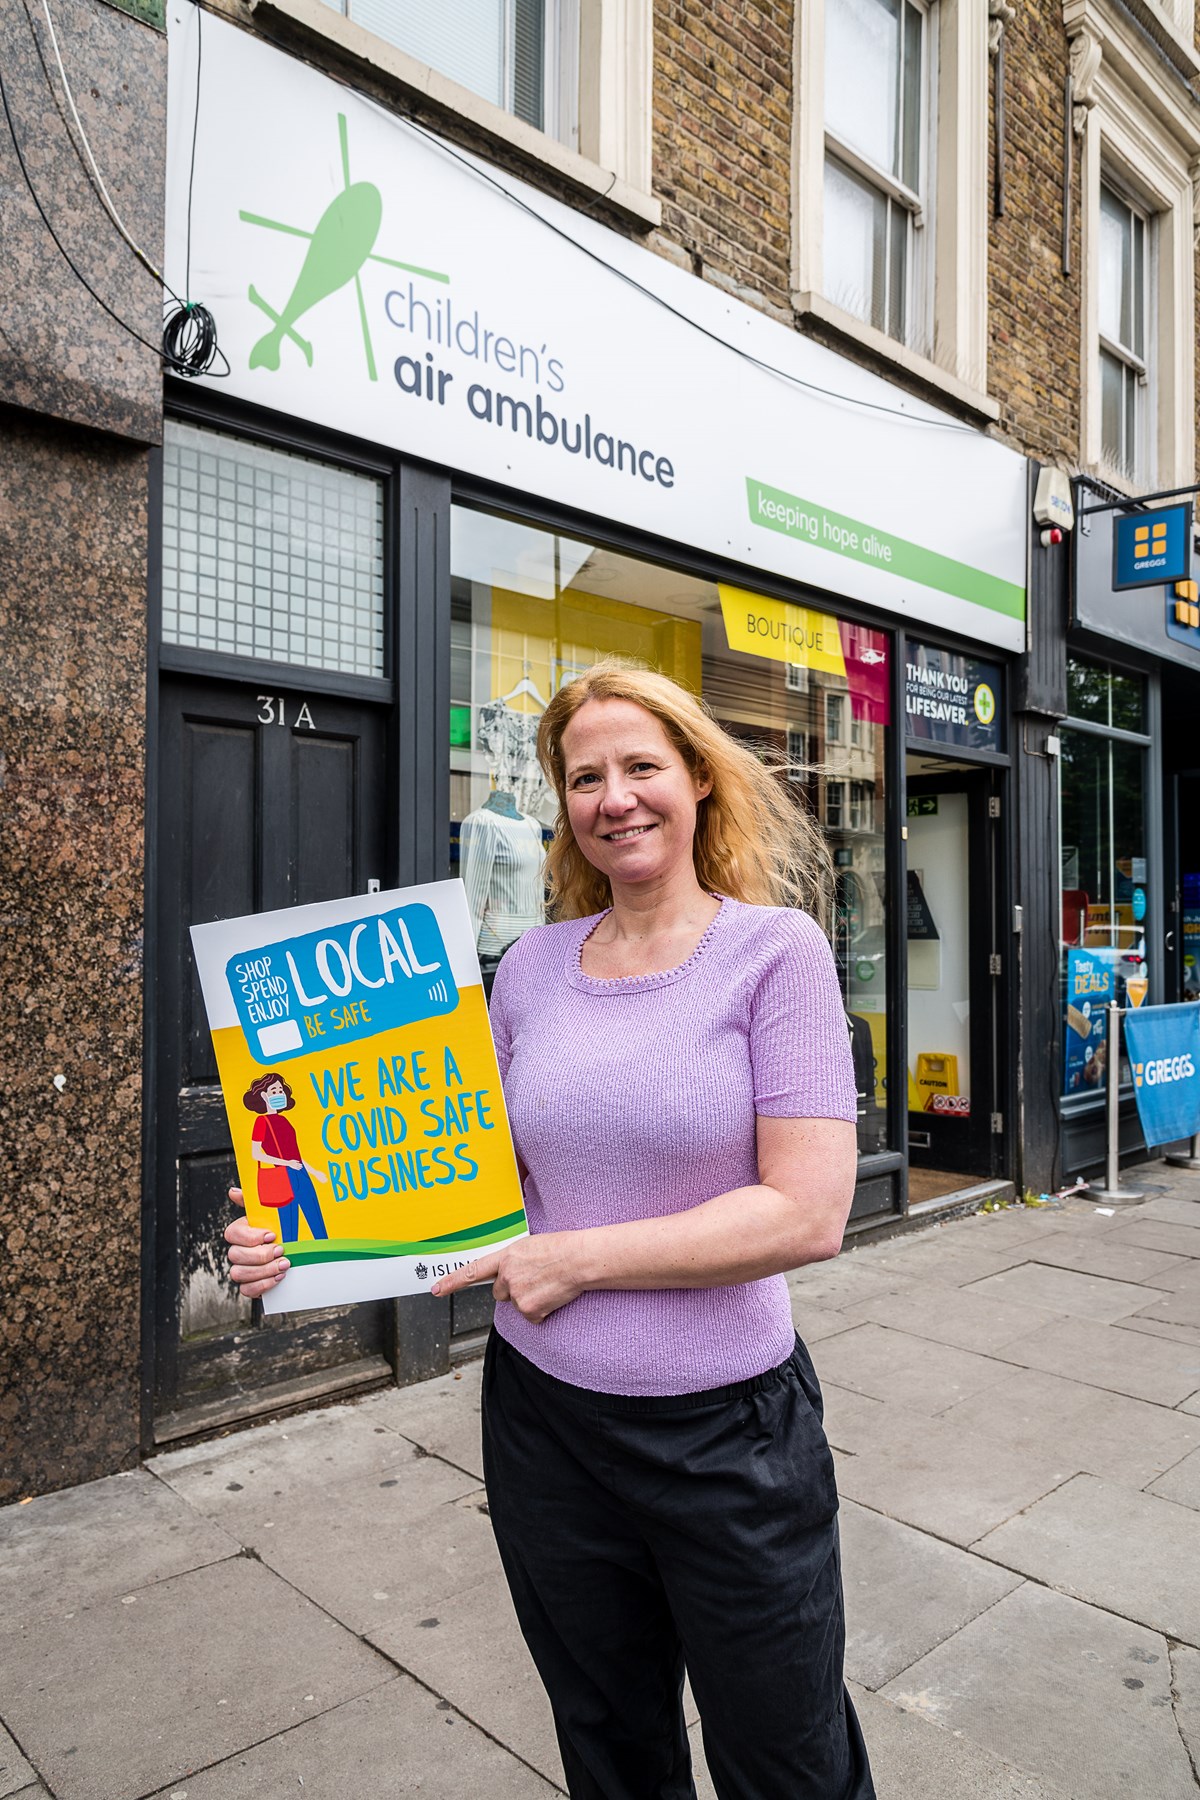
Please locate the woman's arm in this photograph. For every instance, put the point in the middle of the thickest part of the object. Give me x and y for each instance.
(796, 1213)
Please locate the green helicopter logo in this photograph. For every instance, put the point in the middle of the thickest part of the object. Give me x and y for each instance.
(342, 241)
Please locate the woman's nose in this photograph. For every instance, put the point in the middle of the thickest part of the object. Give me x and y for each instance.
(618, 797)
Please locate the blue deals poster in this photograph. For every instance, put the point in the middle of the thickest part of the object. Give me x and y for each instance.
(1089, 990)
(363, 1094)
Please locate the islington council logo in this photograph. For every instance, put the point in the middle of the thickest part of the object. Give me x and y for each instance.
(339, 245)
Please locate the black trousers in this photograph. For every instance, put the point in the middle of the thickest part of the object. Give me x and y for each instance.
(643, 1536)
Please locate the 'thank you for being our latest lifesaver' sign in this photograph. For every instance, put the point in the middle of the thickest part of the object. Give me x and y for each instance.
(362, 1089)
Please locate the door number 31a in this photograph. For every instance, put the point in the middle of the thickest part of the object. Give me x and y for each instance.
(271, 711)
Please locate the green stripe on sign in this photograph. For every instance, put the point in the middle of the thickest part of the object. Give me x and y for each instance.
(774, 510)
(328, 1250)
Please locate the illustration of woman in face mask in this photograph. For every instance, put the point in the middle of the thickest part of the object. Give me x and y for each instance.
(284, 1178)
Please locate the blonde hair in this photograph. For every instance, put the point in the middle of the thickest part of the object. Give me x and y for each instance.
(753, 841)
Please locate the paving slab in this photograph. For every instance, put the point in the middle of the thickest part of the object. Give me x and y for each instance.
(1181, 1276)
(123, 1699)
(1177, 1240)
(1091, 1255)
(895, 1365)
(369, 1554)
(442, 1416)
(851, 1420)
(398, 1739)
(816, 1322)
(847, 1277)
(1185, 1686)
(905, 1592)
(1058, 1290)
(1083, 1428)
(16, 1775)
(963, 1317)
(944, 1479)
(1181, 1484)
(1173, 1209)
(472, 1654)
(1177, 1334)
(933, 1255)
(1173, 1309)
(229, 1478)
(1125, 1362)
(1075, 1696)
(914, 1759)
(1134, 1554)
(83, 1544)
(700, 1775)
(1021, 1225)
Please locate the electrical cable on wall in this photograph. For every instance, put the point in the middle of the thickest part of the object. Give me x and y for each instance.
(189, 345)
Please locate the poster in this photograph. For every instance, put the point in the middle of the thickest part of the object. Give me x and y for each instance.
(950, 698)
(363, 1094)
(1085, 1033)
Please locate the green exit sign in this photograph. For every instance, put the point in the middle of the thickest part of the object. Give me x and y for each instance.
(921, 806)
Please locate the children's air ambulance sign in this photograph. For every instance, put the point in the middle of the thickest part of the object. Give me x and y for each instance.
(363, 1094)
(370, 278)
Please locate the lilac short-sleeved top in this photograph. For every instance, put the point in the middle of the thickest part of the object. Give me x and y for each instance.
(637, 1098)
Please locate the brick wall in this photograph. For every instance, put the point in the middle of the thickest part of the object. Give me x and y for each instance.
(722, 140)
(1033, 309)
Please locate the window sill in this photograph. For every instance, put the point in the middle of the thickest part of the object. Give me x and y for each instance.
(316, 20)
(883, 349)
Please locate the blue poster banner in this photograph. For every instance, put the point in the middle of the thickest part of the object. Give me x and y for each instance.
(1085, 1025)
(1163, 1043)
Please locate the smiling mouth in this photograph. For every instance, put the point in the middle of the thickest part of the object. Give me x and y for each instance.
(632, 831)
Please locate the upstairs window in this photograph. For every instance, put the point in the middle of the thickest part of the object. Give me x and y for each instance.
(876, 85)
(522, 55)
(1125, 334)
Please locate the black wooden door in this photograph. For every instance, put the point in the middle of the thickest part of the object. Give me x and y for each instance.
(266, 800)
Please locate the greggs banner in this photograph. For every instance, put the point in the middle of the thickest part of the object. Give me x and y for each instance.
(1163, 1045)
(362, 1089)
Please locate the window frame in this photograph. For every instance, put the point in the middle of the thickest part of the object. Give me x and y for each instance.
(1142, 141)
(613, 161)
(911, 203)
(957, 118)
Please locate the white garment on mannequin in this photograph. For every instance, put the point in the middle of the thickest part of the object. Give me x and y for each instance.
(501, 861)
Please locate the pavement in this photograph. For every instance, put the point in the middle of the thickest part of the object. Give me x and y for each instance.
(314, 1608)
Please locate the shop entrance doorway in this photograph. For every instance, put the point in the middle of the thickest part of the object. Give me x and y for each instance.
(954, 1121)
(266, 800)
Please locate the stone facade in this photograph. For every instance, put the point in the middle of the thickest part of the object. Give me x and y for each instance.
(80, 402)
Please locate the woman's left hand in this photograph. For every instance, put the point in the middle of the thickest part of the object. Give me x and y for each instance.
(538, 1274)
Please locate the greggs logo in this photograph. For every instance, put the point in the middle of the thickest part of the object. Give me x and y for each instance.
(1164, 1070)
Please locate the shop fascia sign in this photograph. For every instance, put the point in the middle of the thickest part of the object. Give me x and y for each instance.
(367, 277)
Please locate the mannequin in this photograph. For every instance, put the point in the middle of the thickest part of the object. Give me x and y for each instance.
(501, 861)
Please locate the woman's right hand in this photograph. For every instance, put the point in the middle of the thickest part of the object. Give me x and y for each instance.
(255, 1260)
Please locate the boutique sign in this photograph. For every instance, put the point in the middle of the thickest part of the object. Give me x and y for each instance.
(367, 277)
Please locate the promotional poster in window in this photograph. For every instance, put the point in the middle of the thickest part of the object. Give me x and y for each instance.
(362, 1089)
(1089, 990)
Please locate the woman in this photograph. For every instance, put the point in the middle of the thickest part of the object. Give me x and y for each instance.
(274, 1146)
(680, 1086)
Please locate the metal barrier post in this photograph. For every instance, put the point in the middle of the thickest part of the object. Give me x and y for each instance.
(1112, 1189)
(1183, 1159)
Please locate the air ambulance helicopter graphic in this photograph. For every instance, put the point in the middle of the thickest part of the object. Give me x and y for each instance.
(342, 241)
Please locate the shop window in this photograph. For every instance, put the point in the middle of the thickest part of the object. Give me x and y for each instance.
(270, 555)
(522, 55)
(890, 216)
(1105, 888)
(1124, 337)
(876, 162)
(531, 609)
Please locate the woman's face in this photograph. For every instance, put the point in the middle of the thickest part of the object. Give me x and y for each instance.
(275, 1096)
(631, 799)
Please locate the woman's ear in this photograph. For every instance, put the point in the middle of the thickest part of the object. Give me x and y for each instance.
(704, 783)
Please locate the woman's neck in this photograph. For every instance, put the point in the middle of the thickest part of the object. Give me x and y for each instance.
(653, 926)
